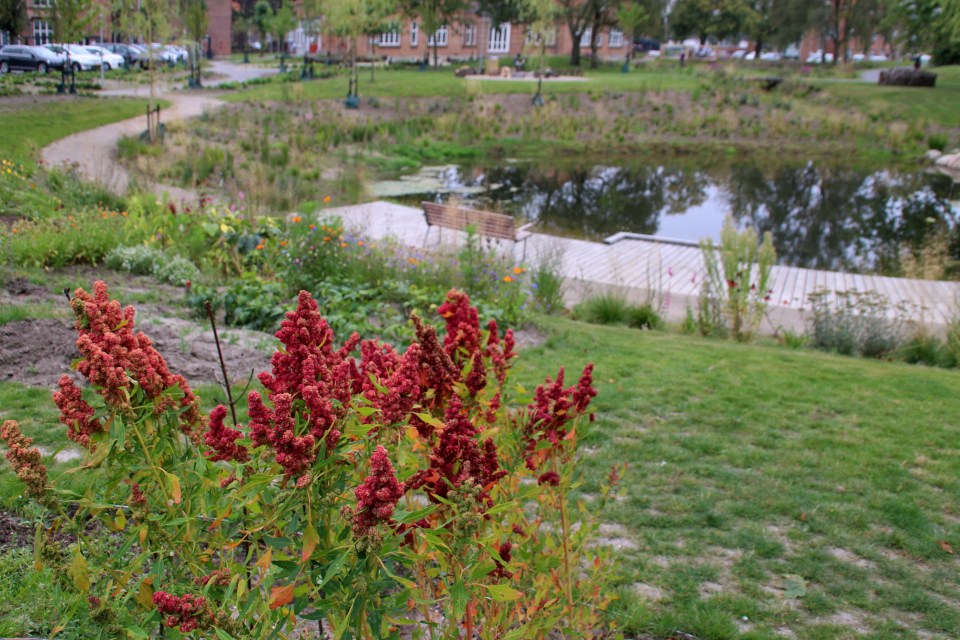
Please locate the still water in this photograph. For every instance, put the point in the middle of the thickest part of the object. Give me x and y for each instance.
(822, 215)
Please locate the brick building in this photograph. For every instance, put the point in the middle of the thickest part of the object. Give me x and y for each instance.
(465, 40)
(39, 30)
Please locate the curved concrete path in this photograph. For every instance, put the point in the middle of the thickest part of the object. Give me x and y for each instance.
(93, 152)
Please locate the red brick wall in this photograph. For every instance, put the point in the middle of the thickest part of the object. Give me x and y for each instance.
(221, 27)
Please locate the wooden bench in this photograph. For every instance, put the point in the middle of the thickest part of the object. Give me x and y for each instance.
(487, 223)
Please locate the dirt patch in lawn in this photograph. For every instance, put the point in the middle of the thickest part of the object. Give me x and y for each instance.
(38, 351)
(15, 533)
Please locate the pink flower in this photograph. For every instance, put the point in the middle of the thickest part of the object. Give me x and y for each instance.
(222, 439)
(76, 414)
(24, 459)
(377, 497)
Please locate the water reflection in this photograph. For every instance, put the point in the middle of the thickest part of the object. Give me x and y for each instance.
(821, 216)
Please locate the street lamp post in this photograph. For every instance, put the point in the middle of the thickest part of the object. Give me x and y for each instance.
(101, 51)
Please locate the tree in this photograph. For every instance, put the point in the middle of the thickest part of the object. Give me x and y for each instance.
(692, 17)
(434, 14)
(70, 19)
(196, 22)
(632, 17)
(283, 23)
(13, 16)
(150, 20)
(355, 18)
(262, 18)
(778, 22)
(499, 12)
(577, 15)
(603, 15)
(541, 18)
(311, 12)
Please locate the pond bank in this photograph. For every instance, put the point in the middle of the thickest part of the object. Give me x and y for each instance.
(642, 269)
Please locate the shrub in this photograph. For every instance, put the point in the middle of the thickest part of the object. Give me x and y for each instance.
(938, 141)
(177, 271)
(139, 259)
(609, 307)
(853, 323)
(548, 283)
(738, 278)
(225, 529)
(644, 316)
(83, 237)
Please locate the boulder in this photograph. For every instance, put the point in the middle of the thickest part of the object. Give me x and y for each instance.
(931, 156)
(465, 71)
(908, 77)
(951, 161)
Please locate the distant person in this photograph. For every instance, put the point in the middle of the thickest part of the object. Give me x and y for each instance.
(518, 63)
(916, 63)
(683, 57)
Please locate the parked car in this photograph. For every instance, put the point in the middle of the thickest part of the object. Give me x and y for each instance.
(818, 57)
(752, 55)
(771, 55)
(878, 58)
(110, 60)
(79, 58)
(122, 50)
(738, 54)
(26, 58)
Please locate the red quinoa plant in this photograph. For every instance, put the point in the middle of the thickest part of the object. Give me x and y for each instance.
(364, 492)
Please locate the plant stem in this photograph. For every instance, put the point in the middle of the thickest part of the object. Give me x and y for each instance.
(564, 529)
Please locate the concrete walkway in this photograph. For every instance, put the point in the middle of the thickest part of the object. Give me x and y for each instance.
(643, 266)
(94, 151)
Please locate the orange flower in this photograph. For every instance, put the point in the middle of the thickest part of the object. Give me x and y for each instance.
(31, 185)
(124, 213)
(412, 261)
(508, 278)
(326, 239)
(327, 199)
(343, 244)
(296, 219)
(283, 242)
(259, 246)
(517, 270)
(15, 231)
(360, 242)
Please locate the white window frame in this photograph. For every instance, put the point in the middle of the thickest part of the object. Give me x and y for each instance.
(585, 37)
(389, 39)
(532, 37)
(469, 32)
(43, 30)
(43, 3)
(616, 39)
(441, 37)
(414, 34)
(499, 40)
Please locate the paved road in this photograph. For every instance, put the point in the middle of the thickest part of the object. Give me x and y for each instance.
(94, 150)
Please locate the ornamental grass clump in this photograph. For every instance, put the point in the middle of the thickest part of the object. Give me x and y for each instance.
(365, 488)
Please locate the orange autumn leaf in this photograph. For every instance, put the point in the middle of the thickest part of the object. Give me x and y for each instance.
(281, 596)
(946, 547)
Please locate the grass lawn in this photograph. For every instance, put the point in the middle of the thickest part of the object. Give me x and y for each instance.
(442, 82)
(748, 463)
(46, 122)
(937, 105)
(769, 493)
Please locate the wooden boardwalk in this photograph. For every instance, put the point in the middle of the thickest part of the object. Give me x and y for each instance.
(642, 264)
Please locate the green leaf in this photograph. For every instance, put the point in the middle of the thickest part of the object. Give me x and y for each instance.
(79, 574)
(793, 586)
(335, 567)
(338, 632)
(458, 597)
(278, 543)
(502, 592)
(223, 635)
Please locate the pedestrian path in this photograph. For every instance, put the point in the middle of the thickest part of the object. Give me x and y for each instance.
(644, 264)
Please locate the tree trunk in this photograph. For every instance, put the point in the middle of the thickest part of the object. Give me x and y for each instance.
(759, 48)
(373, 59)
(575, 48)
(436, 54)
(543, 59)
(594, 36)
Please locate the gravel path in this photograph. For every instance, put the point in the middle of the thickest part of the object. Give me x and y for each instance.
(94, 150)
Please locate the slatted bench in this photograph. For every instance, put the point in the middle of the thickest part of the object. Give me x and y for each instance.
(487, 223)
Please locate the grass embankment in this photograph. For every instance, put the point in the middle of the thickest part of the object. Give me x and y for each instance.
(747, 464)
(45, 122)
(938, 104)
(442, 82)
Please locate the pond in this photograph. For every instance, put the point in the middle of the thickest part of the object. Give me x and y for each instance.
(832, 216)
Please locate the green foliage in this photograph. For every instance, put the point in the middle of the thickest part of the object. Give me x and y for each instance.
(644, 316)
(139, 259)
(608, 307)
(737, 282)
(938, 141)
(250, 302)
(548, 282)
(854, 323)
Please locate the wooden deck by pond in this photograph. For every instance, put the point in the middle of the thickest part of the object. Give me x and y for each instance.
(639, 264)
